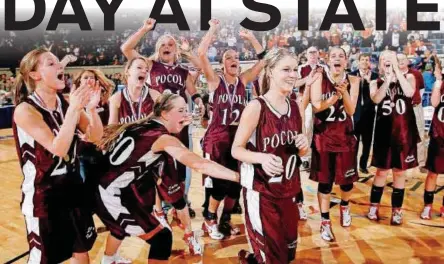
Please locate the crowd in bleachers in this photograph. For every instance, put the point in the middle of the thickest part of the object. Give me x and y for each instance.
(103, 48)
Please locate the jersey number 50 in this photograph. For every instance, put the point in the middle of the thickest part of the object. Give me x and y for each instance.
(399, 105)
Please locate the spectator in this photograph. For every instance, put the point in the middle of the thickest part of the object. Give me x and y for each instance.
(409, 50)
(378, 41)
(232, 41)
(115, 60)
(346, 47)
(395, 40)
(420, 47)
(212, 53)
(429, 78)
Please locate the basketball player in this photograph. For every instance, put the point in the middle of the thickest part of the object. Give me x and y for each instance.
(396, 133)
(435, 157)
(228, 96)
(140, 155)
(165, 73)
(46, 128)
(135, 101)
(269, 142)
(334, 96)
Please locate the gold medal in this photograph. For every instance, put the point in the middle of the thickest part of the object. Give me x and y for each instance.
(159, 181)
(66, 158)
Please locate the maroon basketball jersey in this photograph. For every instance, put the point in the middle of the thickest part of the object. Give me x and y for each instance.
(275, 134)
(228, 102)
(130, 111)
(48, 179)
(437, 128)
(304, 70)
(168, 77)
(103, 112)
(333, 127)
(419, 81)
(395, 118)
(132, 166)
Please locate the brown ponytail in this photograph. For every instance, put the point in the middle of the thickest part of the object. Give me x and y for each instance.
(24, 84)
(265, 83)
(21, 91)
(112, 132)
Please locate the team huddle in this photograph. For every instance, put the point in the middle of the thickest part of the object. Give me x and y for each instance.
(126, 157)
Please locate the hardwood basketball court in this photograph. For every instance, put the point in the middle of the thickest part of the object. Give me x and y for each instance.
(416, 241)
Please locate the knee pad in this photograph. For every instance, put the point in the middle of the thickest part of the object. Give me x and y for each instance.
(218, 194)
(347, 187)
(161, 245)
(325, 188)
(180, 204)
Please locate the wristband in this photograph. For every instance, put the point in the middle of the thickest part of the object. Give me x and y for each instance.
(261, 55)
(195, 96)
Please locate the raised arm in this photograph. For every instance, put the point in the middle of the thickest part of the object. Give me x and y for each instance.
(186, 52)
(178, 151)
(67, 60)
(212, 78)
(129, 47)
(252, 73)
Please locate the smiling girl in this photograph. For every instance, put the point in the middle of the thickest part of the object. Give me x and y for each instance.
(334, 95)
(269, 142)
(46, 129)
